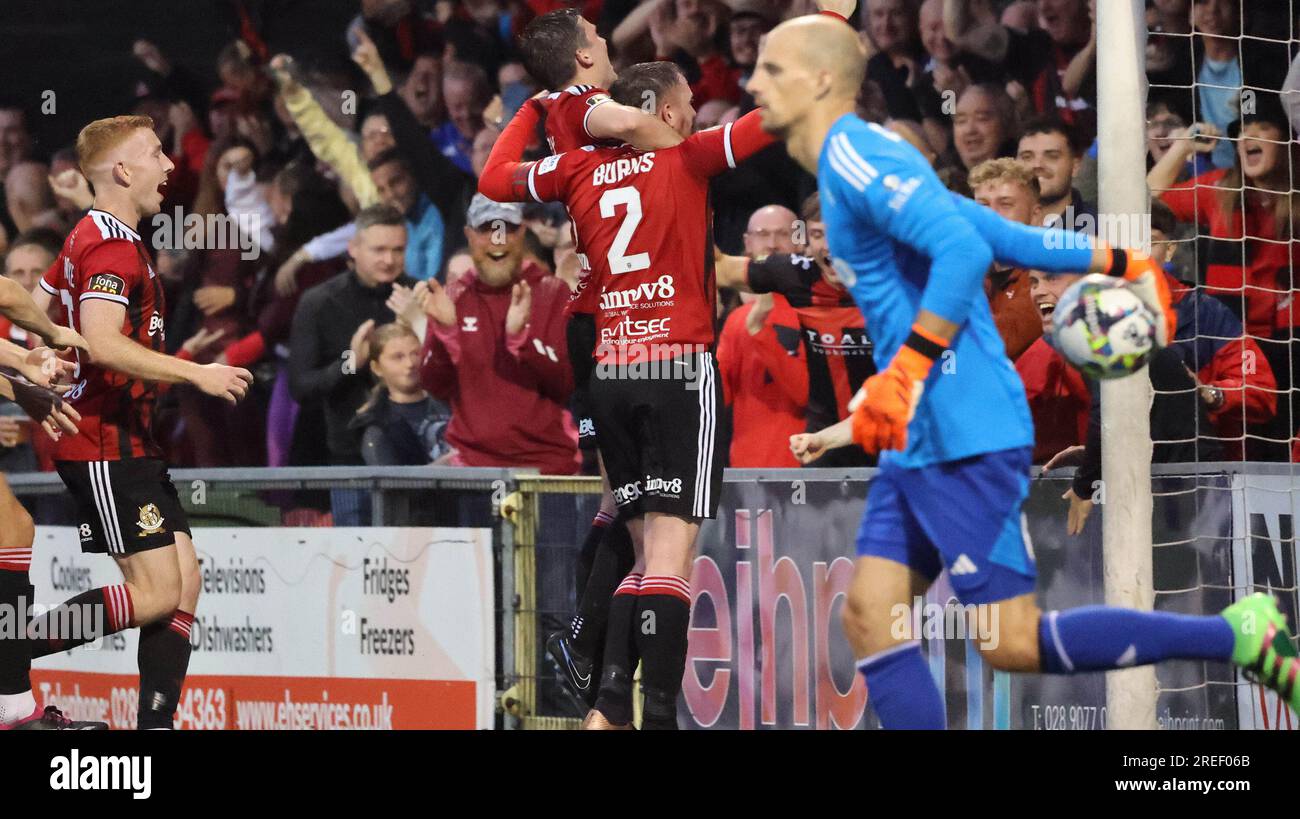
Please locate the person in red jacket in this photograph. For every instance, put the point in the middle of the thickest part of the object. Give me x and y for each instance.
(761, 359)
(836, 345)
(1057, 393)
(764, 380)
(495, 351)
(1245, 212)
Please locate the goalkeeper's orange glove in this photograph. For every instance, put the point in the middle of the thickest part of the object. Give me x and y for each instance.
(1147, 281)
(884, 406)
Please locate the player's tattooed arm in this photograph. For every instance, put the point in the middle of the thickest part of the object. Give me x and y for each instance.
(731, 271)
(42, 405)
(102, 320)
(611, 120)
(17, 305)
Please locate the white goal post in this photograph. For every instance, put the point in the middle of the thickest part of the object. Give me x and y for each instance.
(1126, 403)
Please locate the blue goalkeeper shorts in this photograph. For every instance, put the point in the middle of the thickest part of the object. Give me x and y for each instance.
(963, 515)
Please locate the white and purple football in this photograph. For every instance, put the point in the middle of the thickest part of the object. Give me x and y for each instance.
(1103, 328)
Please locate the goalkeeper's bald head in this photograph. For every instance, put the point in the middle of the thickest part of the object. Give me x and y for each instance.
(808, 63)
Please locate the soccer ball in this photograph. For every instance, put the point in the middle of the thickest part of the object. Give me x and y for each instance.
(1103, 328)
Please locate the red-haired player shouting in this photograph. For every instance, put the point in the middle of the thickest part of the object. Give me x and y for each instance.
(128, 507)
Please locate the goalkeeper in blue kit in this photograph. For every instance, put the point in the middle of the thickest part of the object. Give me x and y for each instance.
(947, 411)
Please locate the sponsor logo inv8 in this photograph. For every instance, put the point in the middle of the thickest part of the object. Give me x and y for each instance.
(629, 492)
(649, 292)
(664, 487)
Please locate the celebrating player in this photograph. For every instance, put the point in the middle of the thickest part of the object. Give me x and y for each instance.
(644, 218)
(565, 52)
(105, 281)
(951, 482)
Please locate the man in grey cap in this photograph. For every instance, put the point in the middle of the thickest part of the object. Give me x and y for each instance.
(495, 350)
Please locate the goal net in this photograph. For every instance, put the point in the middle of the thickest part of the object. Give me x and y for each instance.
(1220, 157)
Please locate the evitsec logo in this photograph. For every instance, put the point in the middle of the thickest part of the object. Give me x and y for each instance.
(630, 328)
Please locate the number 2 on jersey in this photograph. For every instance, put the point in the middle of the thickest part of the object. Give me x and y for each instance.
(630, 198)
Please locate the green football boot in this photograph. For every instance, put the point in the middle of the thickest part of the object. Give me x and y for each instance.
(1263, 648)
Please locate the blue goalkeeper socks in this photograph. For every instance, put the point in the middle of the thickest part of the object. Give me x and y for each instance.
(1093, 638)
(901, 690)
(1099, 638)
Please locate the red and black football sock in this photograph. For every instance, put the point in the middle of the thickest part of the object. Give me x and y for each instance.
(663, 615)
(15, 652)
(613, 559)
(615, 697)
(91, 615)
(587, 554)
(164, 658)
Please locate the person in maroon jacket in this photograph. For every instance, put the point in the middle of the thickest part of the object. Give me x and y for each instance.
(495, 351)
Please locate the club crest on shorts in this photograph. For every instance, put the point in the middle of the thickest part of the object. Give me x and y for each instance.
(151, 520)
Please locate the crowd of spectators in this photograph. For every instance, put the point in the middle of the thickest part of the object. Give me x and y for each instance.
(393, 316)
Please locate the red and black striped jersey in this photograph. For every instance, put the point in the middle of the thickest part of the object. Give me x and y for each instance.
(567, 113)
(566, 116)
(645, 219)
(103, 258)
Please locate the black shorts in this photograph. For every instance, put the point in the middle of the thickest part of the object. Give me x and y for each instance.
(124, 506)
(580, 335)
(659, 434)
